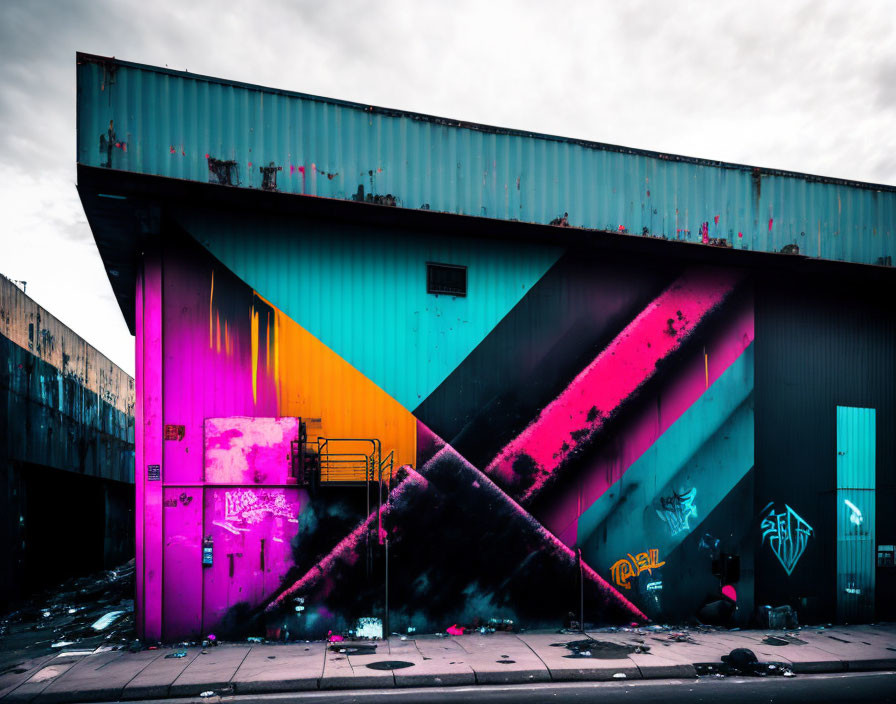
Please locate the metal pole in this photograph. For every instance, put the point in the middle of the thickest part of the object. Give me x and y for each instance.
(379, 493)
(386, 630)
(581, 590)
(367, 533)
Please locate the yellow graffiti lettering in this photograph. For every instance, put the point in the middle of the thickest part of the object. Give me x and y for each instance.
(624, 569)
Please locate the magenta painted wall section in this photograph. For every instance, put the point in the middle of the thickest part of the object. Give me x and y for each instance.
(722, 349)
(150, 472)
(139, 464)
(207, 373)
(240, 450)
(225, 456)
(209, 357)
(529, 461)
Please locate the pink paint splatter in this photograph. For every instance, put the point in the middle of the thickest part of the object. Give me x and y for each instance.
(640, 431)
(716, 219)
(350, 546)
(771, 221)
(730, 592)
(454, 630)
(573, 418)
(545, 537)
(172, 150)
(740, 234)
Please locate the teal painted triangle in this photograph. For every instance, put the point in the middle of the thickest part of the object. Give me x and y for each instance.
(362, 292)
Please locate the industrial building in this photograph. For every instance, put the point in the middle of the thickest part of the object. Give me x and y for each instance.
(405, 367)
(66, 452)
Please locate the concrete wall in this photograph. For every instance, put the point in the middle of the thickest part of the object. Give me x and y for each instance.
(66, 451)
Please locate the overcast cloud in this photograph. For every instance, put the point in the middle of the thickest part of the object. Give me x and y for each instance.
(800, 86)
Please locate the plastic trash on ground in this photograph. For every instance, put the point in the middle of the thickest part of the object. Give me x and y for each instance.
(369, 627)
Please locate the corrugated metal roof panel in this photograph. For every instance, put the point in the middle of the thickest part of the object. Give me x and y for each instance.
(160, 122)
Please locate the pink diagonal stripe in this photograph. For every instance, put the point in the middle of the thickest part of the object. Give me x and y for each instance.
(525, 465)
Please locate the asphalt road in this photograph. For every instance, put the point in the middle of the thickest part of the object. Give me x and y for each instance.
(877, 687)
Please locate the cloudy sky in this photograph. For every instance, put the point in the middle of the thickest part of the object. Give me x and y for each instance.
(801, 86)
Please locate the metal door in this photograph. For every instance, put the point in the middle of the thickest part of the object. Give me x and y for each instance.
(856, 443)
(251, 513)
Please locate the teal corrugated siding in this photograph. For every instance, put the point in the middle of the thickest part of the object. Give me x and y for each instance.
(169, 123)
(856, 452)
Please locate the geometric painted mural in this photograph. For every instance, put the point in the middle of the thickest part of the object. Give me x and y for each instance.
(370, 308)
(618, 420)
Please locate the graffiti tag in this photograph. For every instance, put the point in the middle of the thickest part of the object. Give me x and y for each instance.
(788, 535)
(251, 506)
(626, 568)
(677, 510)
(855, 516)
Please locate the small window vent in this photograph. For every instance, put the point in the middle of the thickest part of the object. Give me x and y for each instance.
(446, 279)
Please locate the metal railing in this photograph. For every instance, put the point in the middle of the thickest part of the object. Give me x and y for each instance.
(349, 460)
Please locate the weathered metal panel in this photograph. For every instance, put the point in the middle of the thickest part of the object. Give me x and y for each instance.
(32, 328)
(70, 407)
(856, 474)
(819, 347)
(180, 125)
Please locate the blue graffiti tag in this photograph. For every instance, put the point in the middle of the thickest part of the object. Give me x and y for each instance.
(788, 535)
(677, 510)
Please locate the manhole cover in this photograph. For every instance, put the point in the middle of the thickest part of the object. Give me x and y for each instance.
(389, 665)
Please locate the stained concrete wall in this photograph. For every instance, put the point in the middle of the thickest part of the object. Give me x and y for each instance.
(66, 451)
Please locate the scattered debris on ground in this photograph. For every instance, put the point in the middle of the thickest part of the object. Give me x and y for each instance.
(742, 662)
(777, 618)
(94, 612)
(600, 649)
(786, 639)
(354, 648)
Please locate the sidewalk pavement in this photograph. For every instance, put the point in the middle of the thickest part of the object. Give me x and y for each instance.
(498, 658)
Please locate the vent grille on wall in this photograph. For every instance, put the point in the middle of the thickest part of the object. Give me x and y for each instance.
(448, 279)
